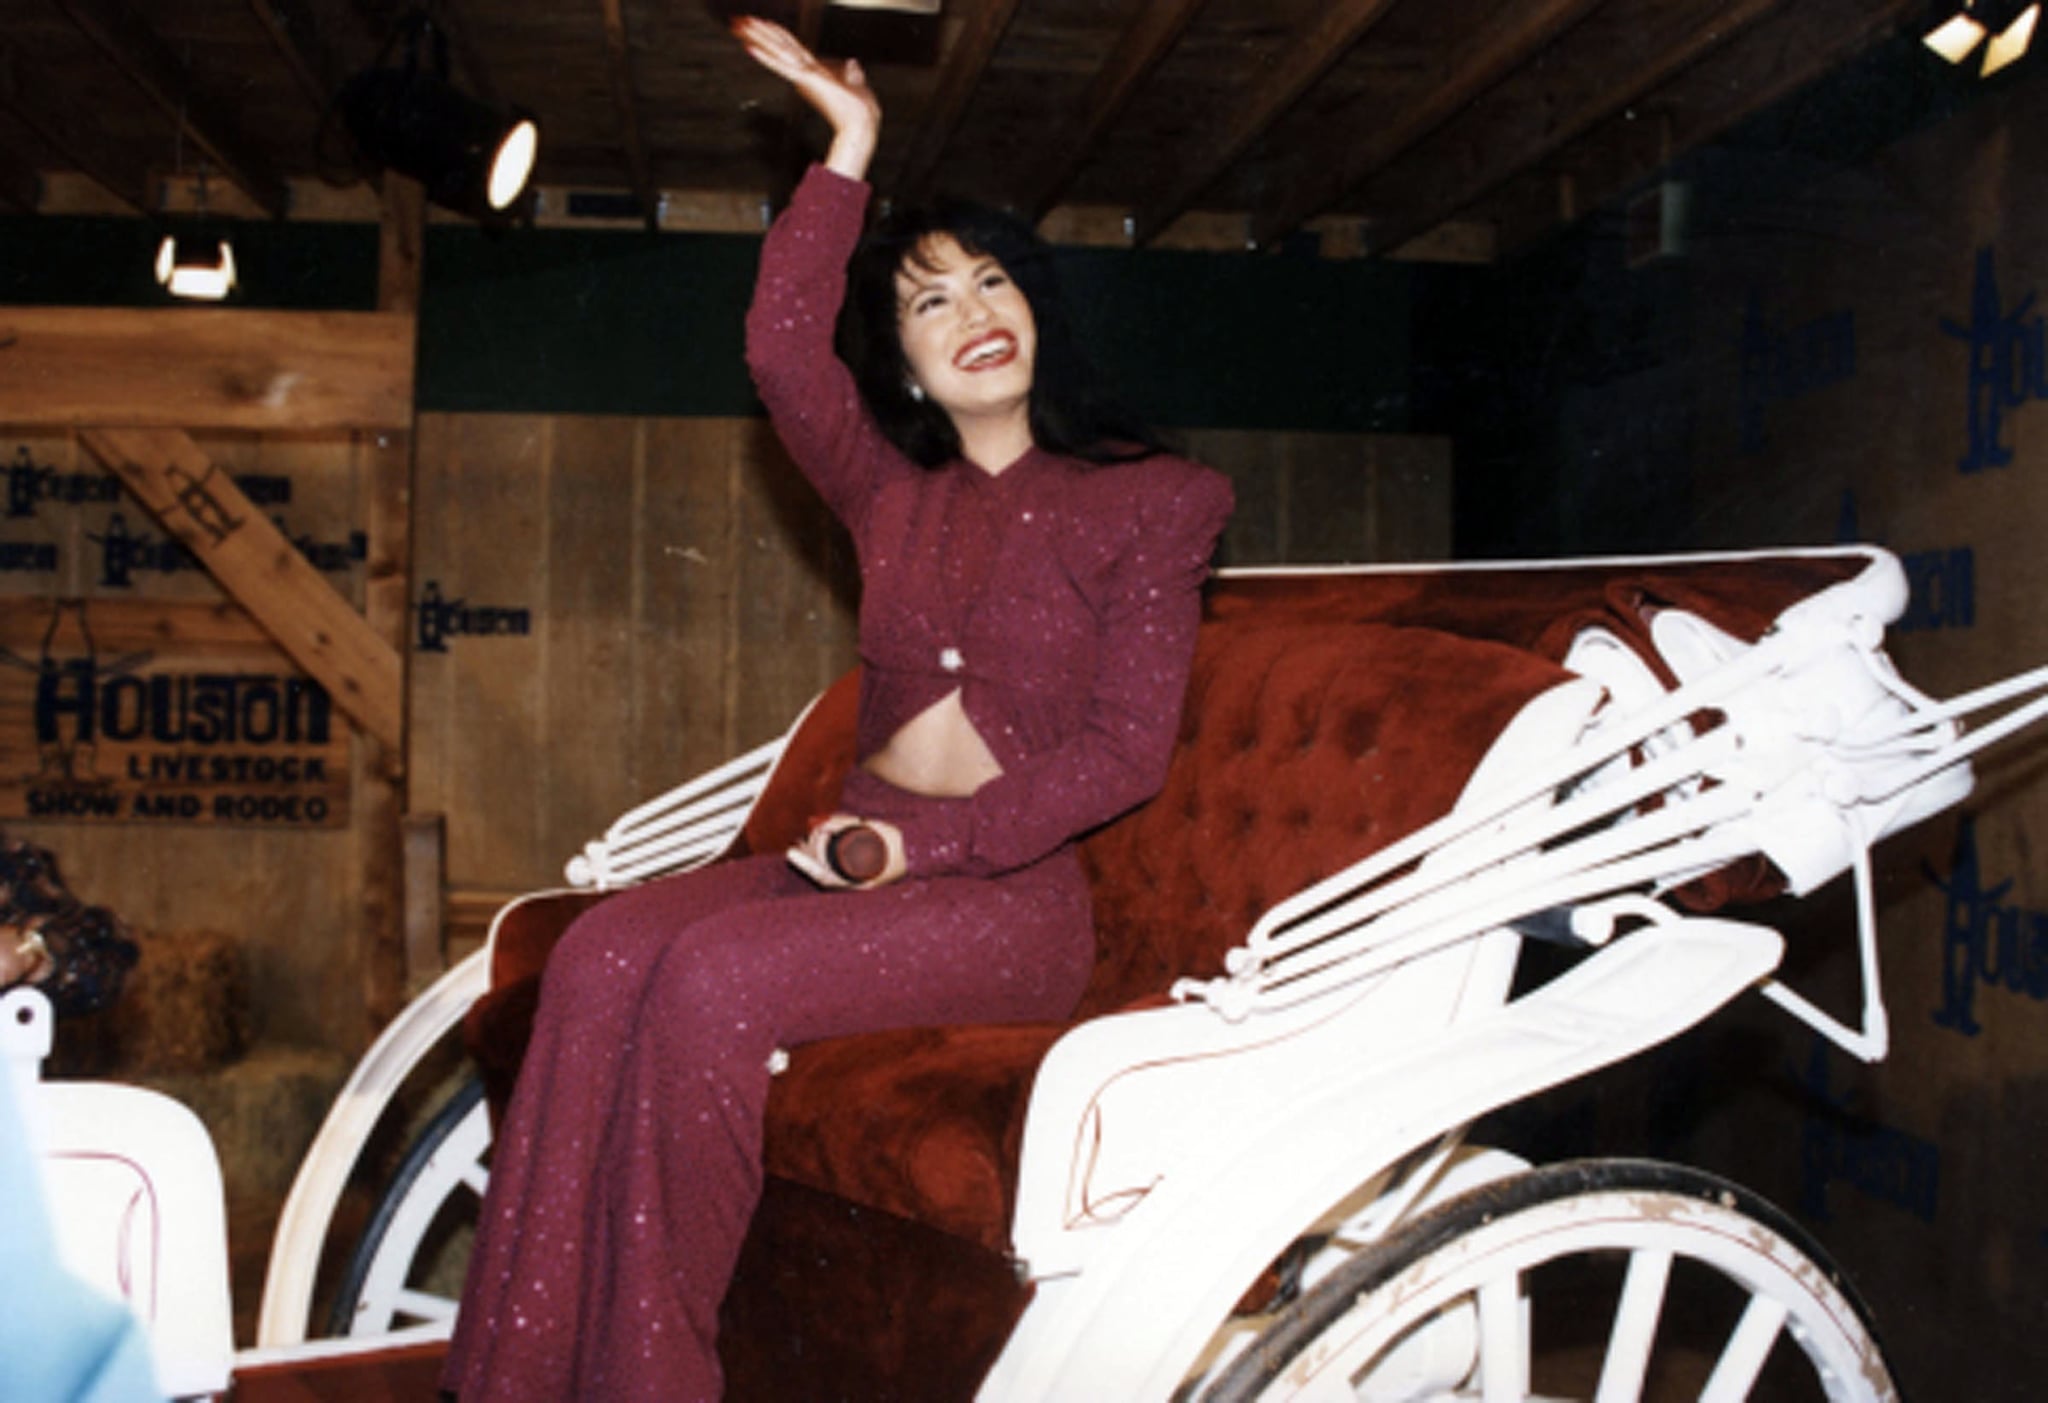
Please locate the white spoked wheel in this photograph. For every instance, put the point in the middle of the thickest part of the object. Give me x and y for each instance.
(1609, 1280)
(407, 1268)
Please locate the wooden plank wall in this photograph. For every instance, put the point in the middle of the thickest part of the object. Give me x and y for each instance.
(685, 596)
(1322, 499)
(284, 891)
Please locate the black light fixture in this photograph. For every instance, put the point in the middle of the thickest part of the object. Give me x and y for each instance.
(472, 157)
(2009, 24)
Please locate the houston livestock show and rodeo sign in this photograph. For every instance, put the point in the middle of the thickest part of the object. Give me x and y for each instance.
(121, 705)
(131, 711)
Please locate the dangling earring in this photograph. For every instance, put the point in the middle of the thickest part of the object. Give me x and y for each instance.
(917, 392)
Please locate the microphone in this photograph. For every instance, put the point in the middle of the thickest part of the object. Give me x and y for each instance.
(857, 853)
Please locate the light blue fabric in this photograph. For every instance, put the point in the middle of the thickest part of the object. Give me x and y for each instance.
(60, 1340)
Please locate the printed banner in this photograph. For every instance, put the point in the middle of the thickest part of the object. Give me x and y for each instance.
(139, 711)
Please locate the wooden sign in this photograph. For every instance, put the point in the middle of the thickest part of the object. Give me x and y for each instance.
(141, 711)
(250, 559)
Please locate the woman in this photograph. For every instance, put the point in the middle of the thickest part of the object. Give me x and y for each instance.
(1030, 574)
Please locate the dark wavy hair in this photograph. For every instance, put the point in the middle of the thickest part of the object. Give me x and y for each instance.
(1070, 412)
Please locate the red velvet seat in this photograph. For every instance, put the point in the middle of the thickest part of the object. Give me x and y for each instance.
(1327, 715)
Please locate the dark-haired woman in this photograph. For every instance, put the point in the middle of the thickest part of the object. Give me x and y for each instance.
(1030, 572)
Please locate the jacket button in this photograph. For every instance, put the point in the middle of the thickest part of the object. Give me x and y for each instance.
(950, 659)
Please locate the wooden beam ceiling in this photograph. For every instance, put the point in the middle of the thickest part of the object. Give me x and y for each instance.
(466, 59)
(966, 58)
(462, 43)
(149, 63)
(296, 35)
(1772, 59)
(63, 123)
(1141, 45)
(1260, 115)
(1311, 54)
(1515, 141)
(1356, 149)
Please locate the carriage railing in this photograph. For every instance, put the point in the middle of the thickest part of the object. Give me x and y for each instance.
(689, 824)
(1806, 748)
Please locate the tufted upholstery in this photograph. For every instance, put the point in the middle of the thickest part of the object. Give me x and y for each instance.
(1327, 715)
(1304, 747)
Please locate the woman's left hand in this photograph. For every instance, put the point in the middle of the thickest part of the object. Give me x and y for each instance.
(811, 857)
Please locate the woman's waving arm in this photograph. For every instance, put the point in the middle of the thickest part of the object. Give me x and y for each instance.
(810, 395)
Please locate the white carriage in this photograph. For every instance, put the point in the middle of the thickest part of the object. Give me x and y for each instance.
(1257, 1184)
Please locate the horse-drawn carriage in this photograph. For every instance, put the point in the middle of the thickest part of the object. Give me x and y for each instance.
(1242, 1170)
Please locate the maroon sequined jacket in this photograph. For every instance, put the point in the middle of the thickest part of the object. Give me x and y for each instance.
(1060, 597)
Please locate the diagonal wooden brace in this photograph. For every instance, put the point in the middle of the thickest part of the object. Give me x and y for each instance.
(260, 570)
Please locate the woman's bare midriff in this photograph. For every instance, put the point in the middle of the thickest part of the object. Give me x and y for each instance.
(936, 753)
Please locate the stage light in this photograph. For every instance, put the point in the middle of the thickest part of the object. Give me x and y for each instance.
(195, 266)
(2012, 41)
(1955, 37)
(472, 158)
(2009, 22)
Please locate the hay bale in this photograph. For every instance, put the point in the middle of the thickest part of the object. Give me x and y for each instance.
(186, 1005)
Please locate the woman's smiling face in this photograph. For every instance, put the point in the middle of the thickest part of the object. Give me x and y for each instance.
(967, 331)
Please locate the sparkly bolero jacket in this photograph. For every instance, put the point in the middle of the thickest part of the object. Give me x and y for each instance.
(1060, 597)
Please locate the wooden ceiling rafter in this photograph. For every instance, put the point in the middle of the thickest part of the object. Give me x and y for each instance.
(1310, 55)
(1520, 146)
(1831, 36)
(618, 56)
(62, 124)
(127, 39)
(1770, 61)
(448, 16)
(295, 34)
(1144, 40)
(966, 59)
(1355, 150)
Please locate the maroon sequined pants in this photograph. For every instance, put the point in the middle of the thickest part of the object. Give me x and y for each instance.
(629, 1162)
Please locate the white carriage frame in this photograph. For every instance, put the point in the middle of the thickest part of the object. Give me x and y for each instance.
(1138, 1224)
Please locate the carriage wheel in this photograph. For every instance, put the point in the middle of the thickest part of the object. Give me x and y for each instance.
(407, 1267)
(1603, 1279)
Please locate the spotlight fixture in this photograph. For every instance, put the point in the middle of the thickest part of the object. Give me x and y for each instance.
(2009, 23)
(472, 158)
(198, 267)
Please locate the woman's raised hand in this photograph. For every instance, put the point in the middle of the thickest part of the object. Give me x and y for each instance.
(839, 92)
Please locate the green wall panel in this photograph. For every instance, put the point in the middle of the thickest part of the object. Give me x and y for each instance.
(607, 322)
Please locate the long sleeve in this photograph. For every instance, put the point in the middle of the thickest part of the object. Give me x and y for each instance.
(809, 393)
(1150, 605)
